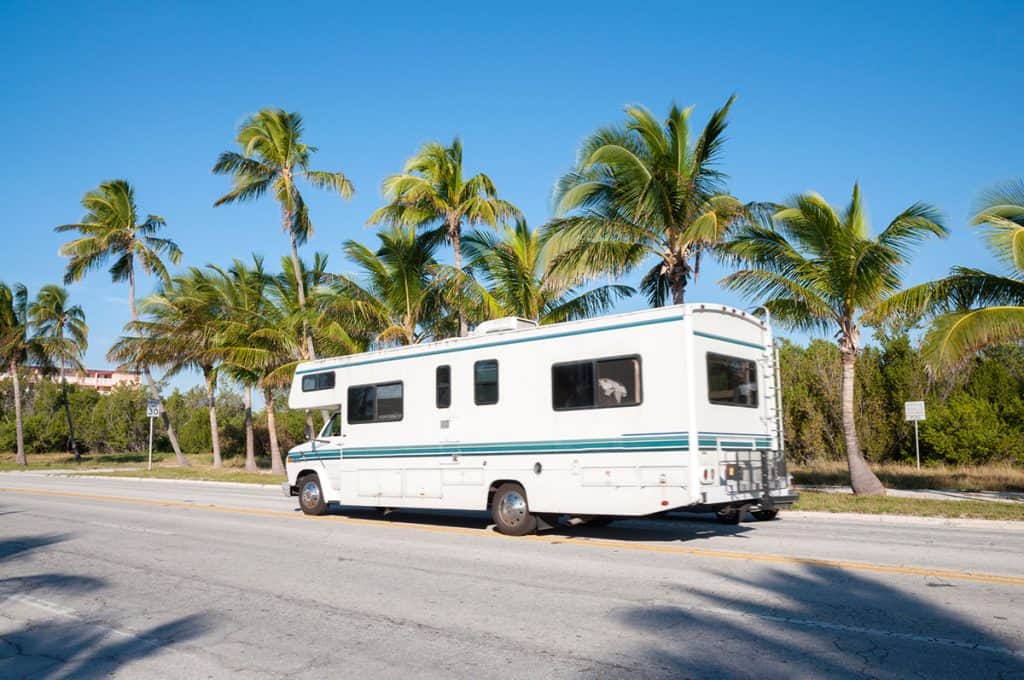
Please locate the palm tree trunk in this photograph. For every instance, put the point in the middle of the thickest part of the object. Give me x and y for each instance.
(67, 414)
(19, 457)
(250, 444)
(300, 286)
(862, 479)
(211, 404)
(678, 274)
(455, 235)
(153, 391)
(276, 465)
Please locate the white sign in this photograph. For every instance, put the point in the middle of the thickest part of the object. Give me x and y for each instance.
(152, 408)
(913, 410)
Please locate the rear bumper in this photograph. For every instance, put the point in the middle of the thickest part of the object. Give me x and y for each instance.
(764, 502)
(287, 489)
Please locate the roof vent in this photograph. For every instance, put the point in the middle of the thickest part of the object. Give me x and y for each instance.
(504, 325)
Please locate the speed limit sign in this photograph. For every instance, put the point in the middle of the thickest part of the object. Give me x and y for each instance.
(152, 408)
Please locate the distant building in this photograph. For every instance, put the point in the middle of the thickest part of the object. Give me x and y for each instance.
(103, 380)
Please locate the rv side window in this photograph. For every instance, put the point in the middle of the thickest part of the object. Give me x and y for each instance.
(375, 403)
(485, 382)
(732, 381)
(597, 383)
(318, 381)
(443, 386)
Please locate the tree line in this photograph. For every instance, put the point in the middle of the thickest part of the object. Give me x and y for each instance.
(646, 195)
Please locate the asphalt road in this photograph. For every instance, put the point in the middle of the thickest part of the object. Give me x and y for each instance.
(182, 580)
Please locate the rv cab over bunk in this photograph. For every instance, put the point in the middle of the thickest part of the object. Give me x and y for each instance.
(675, 408)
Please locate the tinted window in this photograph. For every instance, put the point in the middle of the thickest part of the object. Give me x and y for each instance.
(443, 386)
(485, 382)
(572, 385)
(597, 383)
(732, 381)
(375, 403)
(361, 403)
(317, 381)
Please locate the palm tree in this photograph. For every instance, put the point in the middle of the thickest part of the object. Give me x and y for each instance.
(63, 337)
(17, 348)
(513, 267)
(432, 190)
(273, 156)
(395, 299)
(110, 230)
(180, 333)
(242, 292)
(974, 309)
(264, 340)
(820, 271)
(643, 191)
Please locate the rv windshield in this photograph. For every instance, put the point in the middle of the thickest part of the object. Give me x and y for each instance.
(333, 426)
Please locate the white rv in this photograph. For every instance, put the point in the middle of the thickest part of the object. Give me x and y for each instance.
(627, 415)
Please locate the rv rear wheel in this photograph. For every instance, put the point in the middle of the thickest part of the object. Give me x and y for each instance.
(730, 515)
(765, 515)
(311, 495)
(510, 511)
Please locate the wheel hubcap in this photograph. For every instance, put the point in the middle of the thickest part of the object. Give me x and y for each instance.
(512, 508)
(310, 494)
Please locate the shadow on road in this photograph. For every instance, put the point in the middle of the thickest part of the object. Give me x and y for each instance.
(16, 546)
(54, 641)
(675, 528)
(80, 649)
(819, 622)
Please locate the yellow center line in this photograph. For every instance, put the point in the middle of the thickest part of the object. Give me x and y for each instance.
(846, 565)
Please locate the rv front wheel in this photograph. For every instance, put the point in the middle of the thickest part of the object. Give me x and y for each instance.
(311, 495)
(765, 515)
(510, 511)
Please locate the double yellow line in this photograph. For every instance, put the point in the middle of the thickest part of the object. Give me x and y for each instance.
(949, 574)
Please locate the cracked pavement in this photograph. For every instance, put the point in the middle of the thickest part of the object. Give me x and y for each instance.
(91, 586)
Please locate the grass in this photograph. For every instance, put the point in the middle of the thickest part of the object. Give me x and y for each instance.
(994, 477)
(134, 465)
(816, 501)
(91, 461)
(198, 472)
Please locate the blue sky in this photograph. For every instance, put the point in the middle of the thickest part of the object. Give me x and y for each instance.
(919, 101)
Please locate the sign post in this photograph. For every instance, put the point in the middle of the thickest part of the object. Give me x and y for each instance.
(914, 410)
(152, 410)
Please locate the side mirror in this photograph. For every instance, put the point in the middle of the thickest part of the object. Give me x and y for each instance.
(308, 431)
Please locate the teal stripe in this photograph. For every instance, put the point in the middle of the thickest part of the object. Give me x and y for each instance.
(648, 443)
(486, 345)
(350, 456)
(506, 448)
(725, 339)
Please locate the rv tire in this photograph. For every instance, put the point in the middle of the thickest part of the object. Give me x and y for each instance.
(311, 495)
(731, 515)
(765, 515)
(511, 512)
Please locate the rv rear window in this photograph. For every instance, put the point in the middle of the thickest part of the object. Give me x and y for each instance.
(318, 381)
(485, 382)
(732, 381)
(375, 403)
(597, 383)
